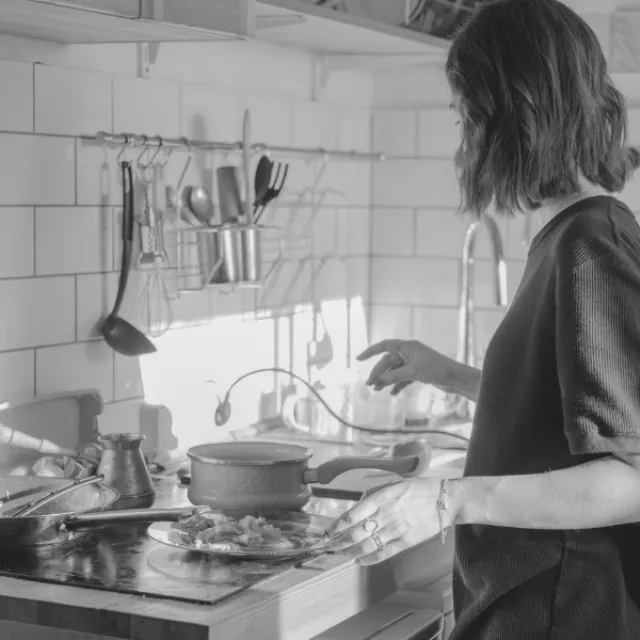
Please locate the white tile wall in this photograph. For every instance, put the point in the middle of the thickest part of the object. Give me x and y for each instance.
(17, 257)
(60, 208)
(60, 198)
(16, 105)
(68, 101)
(417, 235)
(36, 170)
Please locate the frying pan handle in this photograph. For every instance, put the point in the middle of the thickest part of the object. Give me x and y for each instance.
(129, 515)
(54, 495)
(402, 465)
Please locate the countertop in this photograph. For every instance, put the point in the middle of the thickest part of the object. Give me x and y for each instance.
(284, 607)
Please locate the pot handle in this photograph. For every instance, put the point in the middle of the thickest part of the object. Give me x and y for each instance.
(129, 515)
(402, 465)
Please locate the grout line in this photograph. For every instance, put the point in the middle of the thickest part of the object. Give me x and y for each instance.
(33, 89)
(124, 400)
(35, 373)
(112, 91)
(75, 172)
(412, 321)
(35, 246)
(447, 258)
(414, 238)
(75, 306)
(103, 204)
(418, 158)
(46, 276)
(113, 375)
(421, 207)
(180, 109)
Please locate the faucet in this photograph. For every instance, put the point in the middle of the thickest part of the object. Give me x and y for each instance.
(466, 316)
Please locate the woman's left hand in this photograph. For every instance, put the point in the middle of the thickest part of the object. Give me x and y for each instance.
(389, 520)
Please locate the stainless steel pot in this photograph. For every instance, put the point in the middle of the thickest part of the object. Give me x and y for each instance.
(253, 477)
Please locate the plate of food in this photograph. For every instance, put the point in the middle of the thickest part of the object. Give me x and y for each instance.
(276, 535)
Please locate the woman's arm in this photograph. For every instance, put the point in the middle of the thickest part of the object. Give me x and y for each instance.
(408, 361)
(597, 355)
(460, 378)
(599, 493)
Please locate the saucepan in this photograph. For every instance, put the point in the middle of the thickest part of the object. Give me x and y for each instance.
(245, 477)
(66, 511)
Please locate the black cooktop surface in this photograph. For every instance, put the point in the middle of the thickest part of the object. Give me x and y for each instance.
(124, 559)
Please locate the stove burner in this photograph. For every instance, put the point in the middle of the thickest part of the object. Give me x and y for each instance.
(200, 568)
(123, 559)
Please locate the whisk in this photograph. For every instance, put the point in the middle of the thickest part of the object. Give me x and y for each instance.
(155, 313)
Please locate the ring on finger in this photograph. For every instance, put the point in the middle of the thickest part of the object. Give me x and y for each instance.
(370, 526)
(377, 541)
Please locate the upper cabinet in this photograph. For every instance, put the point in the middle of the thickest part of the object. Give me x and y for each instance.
(101, 21)
(302, 24)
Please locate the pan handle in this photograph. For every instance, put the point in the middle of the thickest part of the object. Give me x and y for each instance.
(405, 466)
(54, 495)
(129, 515)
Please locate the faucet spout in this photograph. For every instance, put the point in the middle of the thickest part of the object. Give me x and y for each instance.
(466, 327)
(500, 266)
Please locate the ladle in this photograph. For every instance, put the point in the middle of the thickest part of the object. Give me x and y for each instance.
(119, 334)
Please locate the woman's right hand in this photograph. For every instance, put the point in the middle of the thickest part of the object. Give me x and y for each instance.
(404, 362)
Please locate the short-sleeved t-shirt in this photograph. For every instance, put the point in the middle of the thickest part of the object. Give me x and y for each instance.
(560, 386)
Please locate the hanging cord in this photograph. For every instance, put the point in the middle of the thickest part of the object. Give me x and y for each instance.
(223, 410)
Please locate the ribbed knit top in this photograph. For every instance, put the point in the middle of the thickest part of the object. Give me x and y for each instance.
(560, 386)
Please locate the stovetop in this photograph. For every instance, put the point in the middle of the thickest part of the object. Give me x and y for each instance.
(124, 559)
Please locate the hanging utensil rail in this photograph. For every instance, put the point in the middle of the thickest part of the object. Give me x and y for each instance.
(137, 140)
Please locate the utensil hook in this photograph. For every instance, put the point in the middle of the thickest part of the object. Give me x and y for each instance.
(145, 171)
(161, 150)
(187, 164)
(127, 145)
(145, 148)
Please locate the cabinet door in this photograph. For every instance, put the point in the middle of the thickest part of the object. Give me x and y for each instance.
(401, 616)
(125, 8)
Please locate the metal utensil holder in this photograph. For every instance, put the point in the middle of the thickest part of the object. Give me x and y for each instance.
(225, 255)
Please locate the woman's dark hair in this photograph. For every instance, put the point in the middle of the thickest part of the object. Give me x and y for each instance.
(537, 107)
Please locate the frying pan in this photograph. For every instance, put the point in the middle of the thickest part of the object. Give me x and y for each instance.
(72, 515)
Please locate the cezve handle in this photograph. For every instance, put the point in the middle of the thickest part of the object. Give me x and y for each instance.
(403, 465)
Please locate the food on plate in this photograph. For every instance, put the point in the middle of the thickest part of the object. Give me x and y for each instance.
(214, 529)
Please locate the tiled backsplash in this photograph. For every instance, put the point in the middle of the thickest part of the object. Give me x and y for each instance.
(416, 235)
(60, 199)
(60, 212)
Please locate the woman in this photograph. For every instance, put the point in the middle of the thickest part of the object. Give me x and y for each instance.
(546, 545)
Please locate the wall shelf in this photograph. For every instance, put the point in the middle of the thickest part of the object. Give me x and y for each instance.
(340, 41)
(302, 25)
(120, 21)
(290, 23)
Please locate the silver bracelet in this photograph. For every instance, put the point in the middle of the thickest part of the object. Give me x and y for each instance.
(442, 504)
